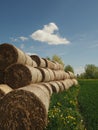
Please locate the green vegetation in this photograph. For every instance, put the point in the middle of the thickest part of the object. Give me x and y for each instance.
(69, 68)
(91, 72)
(88, 102)
(63, 113)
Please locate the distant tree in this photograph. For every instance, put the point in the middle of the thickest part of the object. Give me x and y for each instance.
(57, 59)
(90, 71)
(69, 68)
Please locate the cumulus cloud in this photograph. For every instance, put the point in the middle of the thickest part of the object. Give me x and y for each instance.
(48, 35)
(23, 38)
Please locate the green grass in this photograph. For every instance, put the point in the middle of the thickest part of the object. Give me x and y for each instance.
(63, 112)
(88, 103)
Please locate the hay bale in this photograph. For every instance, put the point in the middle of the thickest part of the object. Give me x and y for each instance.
(55, 87)
(19, 75)
(45, 74)
(24, 109)
(71, 74)
(48, 86)
(59, 74)
(75, 82)
(67, 83)
(50, 64)
(61, 86)
(10, 54)
(29, 61)
(4, 89)
(1, 77)
(51, 73)
(39, 61)
(57, 66)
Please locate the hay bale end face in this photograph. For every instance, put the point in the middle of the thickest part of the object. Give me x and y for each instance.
(7, 52)
(22, 110)
(17, 75)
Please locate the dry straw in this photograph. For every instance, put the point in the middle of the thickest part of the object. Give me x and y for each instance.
(1, 77)
(55, 87)
(4, 89)
(25, 108)
(10, 54)
(19, 75)
(39, 61)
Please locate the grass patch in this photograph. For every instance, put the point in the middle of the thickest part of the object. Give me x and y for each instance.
(63, 113)
(88, 103)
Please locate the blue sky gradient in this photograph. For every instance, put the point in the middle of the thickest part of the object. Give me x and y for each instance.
(76, 21)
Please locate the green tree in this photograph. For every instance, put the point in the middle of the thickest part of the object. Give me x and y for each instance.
(69, 68)
(57, 59)
(91, 71)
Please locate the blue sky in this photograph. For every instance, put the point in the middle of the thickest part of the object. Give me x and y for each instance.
(68, 28)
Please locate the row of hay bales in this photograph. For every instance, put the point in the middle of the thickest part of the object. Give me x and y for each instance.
(28, 84)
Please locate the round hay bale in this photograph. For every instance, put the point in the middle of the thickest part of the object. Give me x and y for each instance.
(36, 59)
(39, 61)
(61, 86)
(29, 61)
(65, 84)
(9, 54)
(40, 91)
(59, 74)
(67, 76)
(55, 87)
(58, 66)
(48, 86)
(36, 74)
(52, 77)
(71, 74)
(50, 64)
(19, 75)
(70, 82)
(2, 77)
(4, 89)
(23, 110)
(75, 82)
(45, 74)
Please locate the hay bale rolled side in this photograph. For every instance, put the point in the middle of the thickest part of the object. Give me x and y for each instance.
(24, 108)
(71, 74)
(4, 89)
(59, 74)
(55, 87)
(39, 61)
(61, 86)
(48, 86)
(45, 74)
(9, 54)
(67, 83)
(19, 75)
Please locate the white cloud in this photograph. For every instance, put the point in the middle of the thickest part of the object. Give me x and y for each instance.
(23, 38)
(13, 39)
(48, 35)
